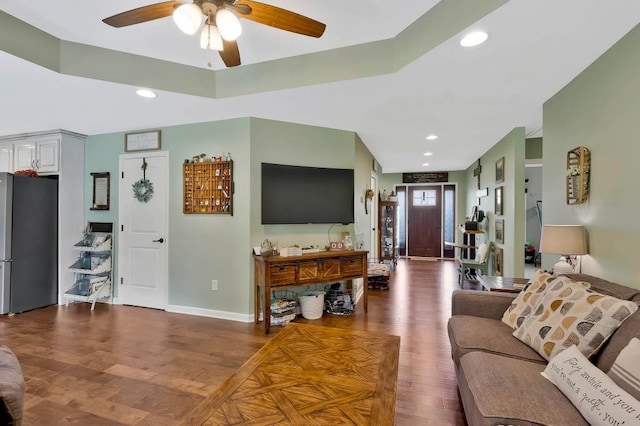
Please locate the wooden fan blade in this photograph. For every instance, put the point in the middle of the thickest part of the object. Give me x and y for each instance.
(281, 18)
(230, 53)
(142, 14)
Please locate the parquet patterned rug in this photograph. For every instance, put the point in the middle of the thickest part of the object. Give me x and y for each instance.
(310, 375)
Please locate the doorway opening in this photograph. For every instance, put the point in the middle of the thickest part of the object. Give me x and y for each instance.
(426, 219)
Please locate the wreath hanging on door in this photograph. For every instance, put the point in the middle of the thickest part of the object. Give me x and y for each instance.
(143, 189)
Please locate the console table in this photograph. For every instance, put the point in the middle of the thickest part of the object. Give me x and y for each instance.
(278, 272)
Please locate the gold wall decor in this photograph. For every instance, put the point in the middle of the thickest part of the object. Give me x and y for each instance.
(578, 172)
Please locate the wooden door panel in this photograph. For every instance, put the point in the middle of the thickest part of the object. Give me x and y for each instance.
(331, 268)
(424, 236)
(308, 271)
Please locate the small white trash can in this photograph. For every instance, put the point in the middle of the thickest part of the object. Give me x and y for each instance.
(312, 304)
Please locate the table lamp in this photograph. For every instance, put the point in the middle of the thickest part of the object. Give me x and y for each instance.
(566, 240)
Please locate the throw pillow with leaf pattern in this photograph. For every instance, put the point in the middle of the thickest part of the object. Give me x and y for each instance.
(527, 299)
(569, 314)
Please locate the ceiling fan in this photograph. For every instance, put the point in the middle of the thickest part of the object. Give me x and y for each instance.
(222, 27)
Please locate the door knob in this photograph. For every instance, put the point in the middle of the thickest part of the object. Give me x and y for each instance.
(161, 240)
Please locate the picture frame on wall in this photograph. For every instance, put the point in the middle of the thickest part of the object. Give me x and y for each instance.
(498, 201)
(101, 191)
(142, 141)
(500, 231)
(500, 170)
(498, 262)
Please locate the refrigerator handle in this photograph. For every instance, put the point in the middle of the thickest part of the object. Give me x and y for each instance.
(6, 260)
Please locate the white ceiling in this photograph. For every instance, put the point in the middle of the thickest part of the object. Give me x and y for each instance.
(470, 97)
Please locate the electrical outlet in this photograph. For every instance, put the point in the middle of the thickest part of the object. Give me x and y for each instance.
(214, 285)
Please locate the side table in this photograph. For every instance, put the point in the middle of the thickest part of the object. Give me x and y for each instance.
(502, 284)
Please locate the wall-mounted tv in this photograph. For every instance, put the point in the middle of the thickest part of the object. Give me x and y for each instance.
(296, 195)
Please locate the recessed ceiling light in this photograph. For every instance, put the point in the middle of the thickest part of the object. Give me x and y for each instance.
(473, 39)
(432, 137)
(146, 93)
(425, 164)
(428, 153)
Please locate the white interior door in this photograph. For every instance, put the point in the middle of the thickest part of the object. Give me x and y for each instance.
(373, 254)
(143, 245)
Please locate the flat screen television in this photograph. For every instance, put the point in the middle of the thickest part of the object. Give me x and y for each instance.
(301, 195)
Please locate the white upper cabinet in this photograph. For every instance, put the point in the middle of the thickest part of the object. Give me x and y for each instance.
(6, 158)
(48, 155)
(42, 155)
(25, 155)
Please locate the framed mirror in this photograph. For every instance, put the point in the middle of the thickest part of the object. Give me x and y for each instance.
(101, 184)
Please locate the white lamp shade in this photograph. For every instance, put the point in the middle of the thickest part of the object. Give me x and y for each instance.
(229, 24)
(188, 18)
(563, 239)
(210, 38)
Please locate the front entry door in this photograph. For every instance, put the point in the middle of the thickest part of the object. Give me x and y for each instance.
(424, 221)
(143, 245)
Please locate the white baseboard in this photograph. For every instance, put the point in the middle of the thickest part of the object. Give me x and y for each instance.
(201, 312)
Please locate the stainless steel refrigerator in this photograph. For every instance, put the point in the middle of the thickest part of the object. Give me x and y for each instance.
(28, 243)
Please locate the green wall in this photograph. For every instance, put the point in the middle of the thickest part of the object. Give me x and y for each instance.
(512, 148)
(300, 145)
(201, 247)
(599, 110)
(533, 149)
(206, 247)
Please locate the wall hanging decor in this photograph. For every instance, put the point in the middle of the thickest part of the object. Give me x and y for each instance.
(500, 170)
(101, 192)
(143, 189)
(208, 185)
(578, 171)
(142, 141)
(498, 201)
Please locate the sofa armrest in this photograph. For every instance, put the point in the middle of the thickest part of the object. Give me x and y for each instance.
(480, 303)
(12, 388)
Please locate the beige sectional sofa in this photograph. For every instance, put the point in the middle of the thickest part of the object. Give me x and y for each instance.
(499, 376)
(12, 388)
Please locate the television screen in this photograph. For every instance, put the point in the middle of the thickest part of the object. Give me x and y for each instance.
(295, 194)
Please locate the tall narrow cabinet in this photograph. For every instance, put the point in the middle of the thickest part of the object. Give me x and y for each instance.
(54, 153)
(387, 231)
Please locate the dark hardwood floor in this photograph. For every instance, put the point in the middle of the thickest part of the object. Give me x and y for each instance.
(136, 366)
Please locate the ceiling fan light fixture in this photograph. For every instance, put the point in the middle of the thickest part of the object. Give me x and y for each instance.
(210, 38)
(188, 18)
(228, 24)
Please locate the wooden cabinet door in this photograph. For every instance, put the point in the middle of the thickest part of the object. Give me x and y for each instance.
(308, 271)
(330, 269)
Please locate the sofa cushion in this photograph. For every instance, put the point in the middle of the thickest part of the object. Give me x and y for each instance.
(527, 299)
(497, 390)
(590, 390)
(11, 385)
(469, 334)
(568, 314)
(625, 371)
